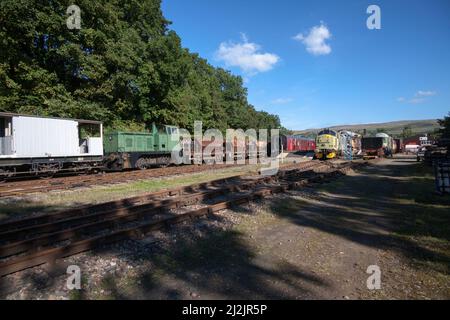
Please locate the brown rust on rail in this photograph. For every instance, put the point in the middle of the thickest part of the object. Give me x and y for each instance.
(38, 257)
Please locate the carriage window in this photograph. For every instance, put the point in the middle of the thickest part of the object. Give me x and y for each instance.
(2, 127)
(161, 129)
(171, 130)
(328, 131)
(88, 130)
(5, 127)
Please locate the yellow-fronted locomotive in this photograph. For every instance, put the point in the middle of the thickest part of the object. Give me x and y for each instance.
(327, 144)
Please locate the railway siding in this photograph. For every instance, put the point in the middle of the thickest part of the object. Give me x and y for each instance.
(86, 228)
(314, 240)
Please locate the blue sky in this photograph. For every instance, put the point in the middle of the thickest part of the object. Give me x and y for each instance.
(316, 64)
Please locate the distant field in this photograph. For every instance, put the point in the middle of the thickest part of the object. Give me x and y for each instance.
(393, 128)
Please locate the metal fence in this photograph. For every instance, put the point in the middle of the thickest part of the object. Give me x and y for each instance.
(6, 146)
(442, 176)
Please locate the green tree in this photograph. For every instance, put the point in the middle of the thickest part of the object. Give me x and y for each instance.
(124, 66)
(407, 132)
(445, 127)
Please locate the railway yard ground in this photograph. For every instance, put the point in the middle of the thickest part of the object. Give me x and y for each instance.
(314, 241)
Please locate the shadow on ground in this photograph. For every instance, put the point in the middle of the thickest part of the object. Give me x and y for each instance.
(222, 263)
(392, 206)
(204, 258)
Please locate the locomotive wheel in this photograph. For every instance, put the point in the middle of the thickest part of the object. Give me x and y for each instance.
(141, 164)
(164, 162)
(46, 170)
(5, 175)
(46, 175)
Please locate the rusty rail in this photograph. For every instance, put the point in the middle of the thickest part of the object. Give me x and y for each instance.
(132, 210)
(18, 188)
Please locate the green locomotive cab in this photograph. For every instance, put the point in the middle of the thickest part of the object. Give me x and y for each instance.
(140, 150)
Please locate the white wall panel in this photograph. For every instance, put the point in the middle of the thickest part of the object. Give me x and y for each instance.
(43, 137)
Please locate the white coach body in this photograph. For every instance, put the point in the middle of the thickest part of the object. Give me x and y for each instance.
(24, 136)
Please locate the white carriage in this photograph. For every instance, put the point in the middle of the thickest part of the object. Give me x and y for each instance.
(44, 144)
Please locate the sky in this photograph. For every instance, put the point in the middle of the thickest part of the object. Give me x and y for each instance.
(317, 64)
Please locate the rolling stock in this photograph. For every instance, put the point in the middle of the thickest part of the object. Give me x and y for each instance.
(297, 144)
(45, 145)
(32, 145)
(327, 144)
(140, 150)
(379, 146)
(349, 144)
(372, 146)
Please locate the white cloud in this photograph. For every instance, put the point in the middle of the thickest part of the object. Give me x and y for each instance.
(315, 40)
(419, 97)
(416, 100)
(421, 93)
(282, 101)
(247, 56)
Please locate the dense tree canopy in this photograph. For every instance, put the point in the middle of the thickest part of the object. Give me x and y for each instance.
(124, 66)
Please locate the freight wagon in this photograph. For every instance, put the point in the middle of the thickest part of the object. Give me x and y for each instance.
(45, 145)
(378, 146)
(372, 146)
(236, 149)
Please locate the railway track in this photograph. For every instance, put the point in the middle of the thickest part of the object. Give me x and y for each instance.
(33, 241)
(18, 188)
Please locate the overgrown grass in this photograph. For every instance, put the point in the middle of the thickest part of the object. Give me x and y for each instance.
(52, 201)
(426, 222)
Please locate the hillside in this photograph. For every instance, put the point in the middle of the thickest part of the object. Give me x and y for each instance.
(393, 128)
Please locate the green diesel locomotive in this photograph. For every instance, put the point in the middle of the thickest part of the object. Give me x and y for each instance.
(140, 150)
